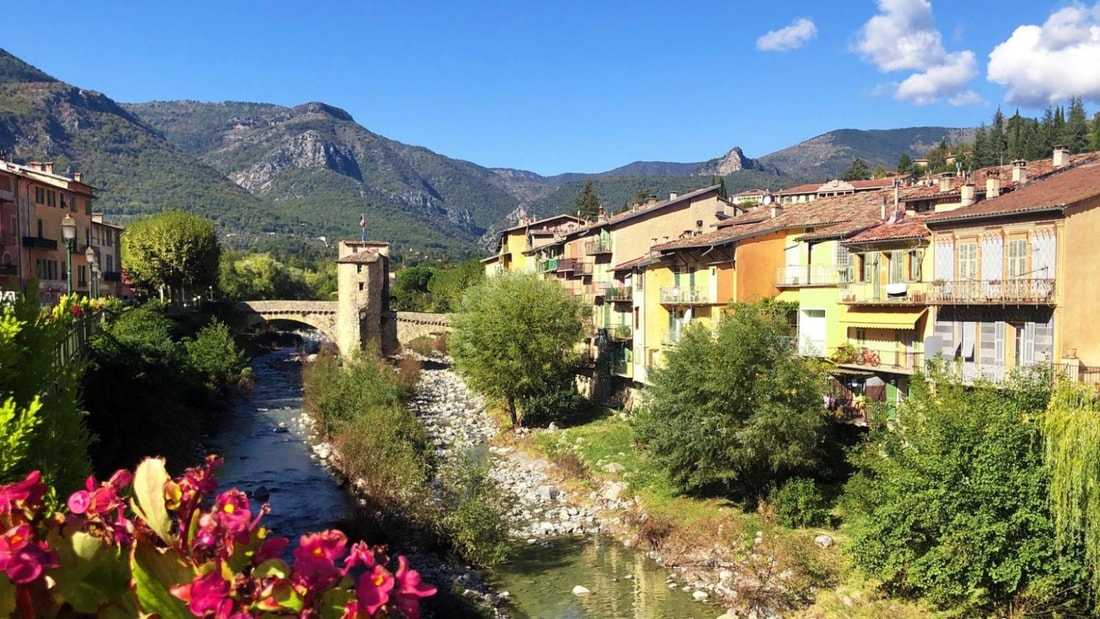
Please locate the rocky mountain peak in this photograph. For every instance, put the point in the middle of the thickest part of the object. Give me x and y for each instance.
(732, 161)
(316, 107)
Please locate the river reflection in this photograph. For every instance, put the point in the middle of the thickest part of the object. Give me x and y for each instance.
(623, 583)
(304, 496)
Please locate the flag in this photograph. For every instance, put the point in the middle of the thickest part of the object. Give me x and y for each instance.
(363, 221)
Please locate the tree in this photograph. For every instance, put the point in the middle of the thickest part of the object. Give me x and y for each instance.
(247, 277)
(1075, 134)
(588, 202)
(738, 410)
(951, 501)
(448, 285)
(170, 252)
(721, 182)
(410, 289)
(858, 171)
(512, 333)
(1070, 427)
(905, 164)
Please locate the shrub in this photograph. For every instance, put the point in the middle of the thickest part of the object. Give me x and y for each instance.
(556, 400)
(214, 355)
(799, 503)
(439, 344)
(473, 511)
(421, 345)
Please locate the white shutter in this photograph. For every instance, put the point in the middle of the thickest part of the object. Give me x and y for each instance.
(1043, 246)
(970, 334)
(1027, 355)
(999, 342)
(945, 259)
(992, 257)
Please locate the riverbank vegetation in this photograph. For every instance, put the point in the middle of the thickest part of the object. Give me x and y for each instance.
(361, 407)
(156, 376)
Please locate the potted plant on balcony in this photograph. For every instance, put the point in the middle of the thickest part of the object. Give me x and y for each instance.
(845, 353)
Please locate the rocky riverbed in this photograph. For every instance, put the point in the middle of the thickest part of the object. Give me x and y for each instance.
(541, 510)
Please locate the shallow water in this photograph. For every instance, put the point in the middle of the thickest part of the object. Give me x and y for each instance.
(623, 583)
(306, 497)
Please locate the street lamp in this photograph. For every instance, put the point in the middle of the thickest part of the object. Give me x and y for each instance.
(93, 267)
(68, 232)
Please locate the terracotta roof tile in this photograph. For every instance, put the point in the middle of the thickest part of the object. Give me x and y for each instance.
(911, 227)
(1059, 189)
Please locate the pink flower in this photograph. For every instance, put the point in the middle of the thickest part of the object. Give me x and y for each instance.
(315, 557)
(410, 589)
(206, 593)
(28, 492)
(271, 548)
(22, 558)
(231, 511)
(360, 556)
(372, 592)
(79, 501)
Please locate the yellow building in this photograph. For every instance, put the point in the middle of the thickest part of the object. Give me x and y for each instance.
(1013, 284)
(518, 246)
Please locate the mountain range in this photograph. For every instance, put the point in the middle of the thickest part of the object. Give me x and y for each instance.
(302, 175)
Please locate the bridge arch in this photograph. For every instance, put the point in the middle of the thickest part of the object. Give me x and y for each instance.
(317, 314)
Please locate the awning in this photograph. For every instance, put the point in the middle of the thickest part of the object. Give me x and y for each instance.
(897, 319)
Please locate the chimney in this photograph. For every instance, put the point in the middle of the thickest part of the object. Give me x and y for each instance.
(672, 195)
(602, 216)
(967, 193)
(653, 241)
(1061, 156)
(992, 184)
(777, 210)
(651, 201)
(1019, 171)
(78, 177)
(945, 181)
(882, 208)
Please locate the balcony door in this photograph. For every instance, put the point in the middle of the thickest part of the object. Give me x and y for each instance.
(812, 327)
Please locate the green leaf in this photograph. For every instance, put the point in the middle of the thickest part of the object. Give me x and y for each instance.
(155, 571)
(149, 480)
(333, 603)
(7, 596)
(272, 567)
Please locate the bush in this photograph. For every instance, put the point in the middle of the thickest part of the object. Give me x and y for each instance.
(213, 353)
(473, 511)
(555, 401)
(421, 345)
(799, 503)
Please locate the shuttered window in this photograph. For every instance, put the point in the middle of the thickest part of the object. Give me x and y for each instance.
(1017, 258)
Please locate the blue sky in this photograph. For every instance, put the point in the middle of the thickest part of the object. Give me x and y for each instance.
(583, 86)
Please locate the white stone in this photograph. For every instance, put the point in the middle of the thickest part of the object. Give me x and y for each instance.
(824, 540)
(581, 590)
(700, 596)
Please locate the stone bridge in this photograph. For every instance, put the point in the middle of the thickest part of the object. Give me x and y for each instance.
(321, 315)
(360, 316)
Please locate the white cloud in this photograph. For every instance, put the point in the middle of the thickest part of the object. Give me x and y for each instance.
(948, 79)
(785, 39)
(903, 37)
(1048, 64)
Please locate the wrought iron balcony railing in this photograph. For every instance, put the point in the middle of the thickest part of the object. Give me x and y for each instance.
(685, 296)
(809, 275)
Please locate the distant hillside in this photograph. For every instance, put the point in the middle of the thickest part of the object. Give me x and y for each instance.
(315, 159)
(829, 155)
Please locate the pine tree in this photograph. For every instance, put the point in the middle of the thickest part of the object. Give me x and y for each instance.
(722, 193)
(905, 164)
(588, 202)
(1075, 134)
(858, 171)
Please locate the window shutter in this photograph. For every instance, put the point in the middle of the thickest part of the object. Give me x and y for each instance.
(992, 257)
(999, 342)
(945, 259)
(1027, 355)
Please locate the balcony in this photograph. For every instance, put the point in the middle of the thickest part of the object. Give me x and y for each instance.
(885, 358)
(582, 269)
(37, 242)
(597, 247)
(622, 333)
(992, 292)
(685, 296)
(808, 275)
(565, 265)
(672, 337)
(619, 294)
(862, 293)
(622, 367)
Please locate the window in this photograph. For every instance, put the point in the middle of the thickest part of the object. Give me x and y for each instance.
(39, 228)
(1017, 258)
(897, 267)
(843, 262)
(64, 201)
(51, 198)
(110, 263)
(914, 266)
(39, 195)
(968, 261)
(870, 262)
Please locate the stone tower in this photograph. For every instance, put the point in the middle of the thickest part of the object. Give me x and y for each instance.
(363, 279)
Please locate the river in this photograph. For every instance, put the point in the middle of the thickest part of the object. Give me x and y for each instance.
(265, 447)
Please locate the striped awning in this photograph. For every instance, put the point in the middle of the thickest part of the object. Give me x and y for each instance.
(901, 318)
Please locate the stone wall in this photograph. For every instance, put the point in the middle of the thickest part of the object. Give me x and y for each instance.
(411, 325)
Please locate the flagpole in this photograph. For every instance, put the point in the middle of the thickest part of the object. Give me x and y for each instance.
(363, 227)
